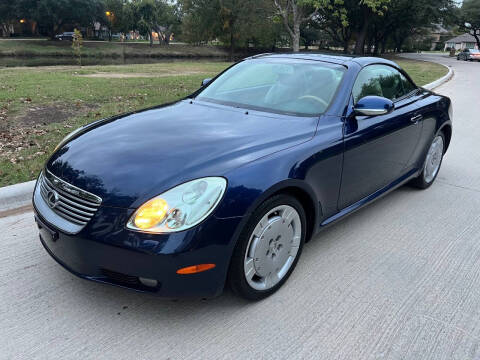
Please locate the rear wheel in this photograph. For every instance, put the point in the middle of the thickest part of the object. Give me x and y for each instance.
(268, 248)
(432, 164)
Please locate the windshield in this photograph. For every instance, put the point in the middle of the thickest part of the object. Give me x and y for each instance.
(297, 87)
(474, 51)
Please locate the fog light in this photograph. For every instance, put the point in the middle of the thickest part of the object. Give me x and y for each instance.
(195, 269)
(148, 282)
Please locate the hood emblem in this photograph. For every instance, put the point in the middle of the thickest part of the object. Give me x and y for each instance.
(52, 199)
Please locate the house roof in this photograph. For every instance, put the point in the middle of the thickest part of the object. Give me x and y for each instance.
(465, 38)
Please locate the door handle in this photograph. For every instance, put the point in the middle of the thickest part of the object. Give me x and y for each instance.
(416, 118)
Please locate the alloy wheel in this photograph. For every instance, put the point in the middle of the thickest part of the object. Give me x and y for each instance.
(272, 247)
(434, 159)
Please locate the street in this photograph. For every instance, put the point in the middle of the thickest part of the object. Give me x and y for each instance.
(400, 279)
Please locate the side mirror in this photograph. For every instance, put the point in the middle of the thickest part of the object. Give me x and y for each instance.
(373, 106)
(206, 81)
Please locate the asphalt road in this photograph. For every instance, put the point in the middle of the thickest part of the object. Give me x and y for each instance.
(399, 279)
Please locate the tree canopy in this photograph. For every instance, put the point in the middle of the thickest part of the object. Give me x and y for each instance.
(353, 25)
(469, 18)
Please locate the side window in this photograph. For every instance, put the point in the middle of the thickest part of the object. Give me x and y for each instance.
(408, 86)
(367, 84)
(381, 80)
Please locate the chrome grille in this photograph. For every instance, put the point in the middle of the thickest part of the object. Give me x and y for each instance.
(72, 203)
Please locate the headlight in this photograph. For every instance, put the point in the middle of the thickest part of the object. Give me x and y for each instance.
(68, 137)
(180, 208)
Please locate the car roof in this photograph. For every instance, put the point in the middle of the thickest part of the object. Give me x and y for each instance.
(331, 58)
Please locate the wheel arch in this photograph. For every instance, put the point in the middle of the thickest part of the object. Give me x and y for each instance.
(303, 193)
(308, 206)
(447, 133)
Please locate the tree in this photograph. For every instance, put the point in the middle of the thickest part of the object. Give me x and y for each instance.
(235, 16)
(200, 22)
(405, 19)
(369, 9)
(339, 18)
(53, 14)
(7, 17)
(154, 16)
(77, 43)
(345, 19)
(234, 22)
(470, 18)
(294, 14)
(117, 16)
(168, 19)
(375, 24)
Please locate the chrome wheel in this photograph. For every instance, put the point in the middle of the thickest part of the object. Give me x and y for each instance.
(434, 159)
(272, 247)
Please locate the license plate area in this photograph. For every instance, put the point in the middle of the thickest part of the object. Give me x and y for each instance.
(46, 233)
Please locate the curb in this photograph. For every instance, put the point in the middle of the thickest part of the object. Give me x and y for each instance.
(16, 196)
(442, 80)
(433, 85)
(19, 195)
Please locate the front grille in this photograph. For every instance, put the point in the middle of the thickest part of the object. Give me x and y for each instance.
(73, 204)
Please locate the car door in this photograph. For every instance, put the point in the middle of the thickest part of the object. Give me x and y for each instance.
(378, 148)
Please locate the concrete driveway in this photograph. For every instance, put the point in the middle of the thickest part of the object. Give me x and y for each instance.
(398, 280)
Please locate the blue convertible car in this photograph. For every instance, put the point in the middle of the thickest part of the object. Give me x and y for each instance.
(226, 186)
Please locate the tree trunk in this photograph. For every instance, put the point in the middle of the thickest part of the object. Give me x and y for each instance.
(370, 45)
(151, 38)
(399, 43)
(232, 45)
(476, 34)
(5, 30)
(384, 44)
(362, 34)
(168, 33)
(361, 37)
(376, 44)
(296, 37)
(345, 46)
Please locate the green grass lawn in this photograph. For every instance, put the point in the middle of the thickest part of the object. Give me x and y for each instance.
(39, 106)
(422, 72)
(100, 49)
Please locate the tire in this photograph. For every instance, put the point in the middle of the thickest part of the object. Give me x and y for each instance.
(261, 250)
(429, 172)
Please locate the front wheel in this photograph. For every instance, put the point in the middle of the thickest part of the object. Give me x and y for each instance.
(268, 248)
(432, 163)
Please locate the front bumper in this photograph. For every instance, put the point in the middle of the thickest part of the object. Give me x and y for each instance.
(105, 251)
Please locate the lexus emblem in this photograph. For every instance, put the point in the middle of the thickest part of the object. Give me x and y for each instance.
(52, 198)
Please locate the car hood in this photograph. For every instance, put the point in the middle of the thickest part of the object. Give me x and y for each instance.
(129, 159)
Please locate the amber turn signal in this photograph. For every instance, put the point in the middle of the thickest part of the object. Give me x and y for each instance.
(195, 269)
